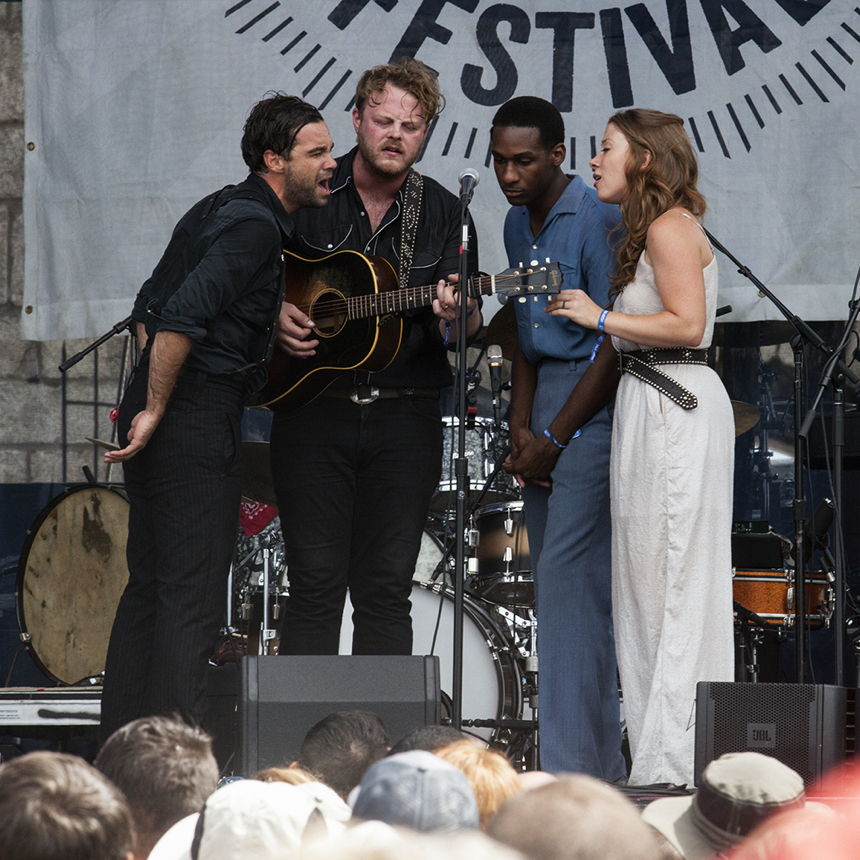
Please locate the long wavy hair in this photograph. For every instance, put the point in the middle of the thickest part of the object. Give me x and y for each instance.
(668, 180)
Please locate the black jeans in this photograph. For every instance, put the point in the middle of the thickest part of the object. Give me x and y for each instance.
(184, 490)
(354, 485)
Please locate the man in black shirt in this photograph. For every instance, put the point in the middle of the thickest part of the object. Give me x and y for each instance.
(204, 320)
(355, 469)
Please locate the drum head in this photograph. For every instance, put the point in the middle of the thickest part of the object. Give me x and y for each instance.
(71, 575)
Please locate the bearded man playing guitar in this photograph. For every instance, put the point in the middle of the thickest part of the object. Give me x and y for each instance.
(355, 469)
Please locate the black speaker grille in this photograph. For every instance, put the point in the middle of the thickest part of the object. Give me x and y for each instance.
(786, 707)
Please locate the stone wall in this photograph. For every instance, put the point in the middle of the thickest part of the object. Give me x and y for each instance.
(33, 437)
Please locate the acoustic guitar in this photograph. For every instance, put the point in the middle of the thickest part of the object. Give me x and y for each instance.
(353, 300)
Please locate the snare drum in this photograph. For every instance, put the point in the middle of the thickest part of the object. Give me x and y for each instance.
(493, 681)
(71, 575)
(484, 444)
(502, 570)
(770, 594)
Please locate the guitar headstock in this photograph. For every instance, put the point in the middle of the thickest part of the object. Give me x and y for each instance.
(532, 280)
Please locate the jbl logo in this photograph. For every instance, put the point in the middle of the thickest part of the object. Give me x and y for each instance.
(761, 735)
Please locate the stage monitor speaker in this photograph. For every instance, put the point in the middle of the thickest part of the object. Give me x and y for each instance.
(805, 726)
(280, 698)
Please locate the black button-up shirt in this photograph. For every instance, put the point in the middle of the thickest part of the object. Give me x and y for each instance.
(232, 287)
(343, 224)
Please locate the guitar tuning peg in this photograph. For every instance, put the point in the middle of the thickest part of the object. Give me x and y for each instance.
(547, 260)
(534, 263)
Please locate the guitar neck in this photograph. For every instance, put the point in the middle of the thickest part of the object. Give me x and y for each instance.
(410, 298)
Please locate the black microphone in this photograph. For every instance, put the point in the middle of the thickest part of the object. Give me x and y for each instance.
(468, 180)
(494, 360)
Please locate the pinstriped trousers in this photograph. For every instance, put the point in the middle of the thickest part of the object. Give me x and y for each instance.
(184, 490)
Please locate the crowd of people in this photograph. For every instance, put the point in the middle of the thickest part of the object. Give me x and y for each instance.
(154, 792)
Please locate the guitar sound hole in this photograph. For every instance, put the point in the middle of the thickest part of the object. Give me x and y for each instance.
(329, 313)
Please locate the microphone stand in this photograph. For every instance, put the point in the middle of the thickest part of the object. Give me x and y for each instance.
(117, 329)
(461, 466)
(804, 333)
(834, 375)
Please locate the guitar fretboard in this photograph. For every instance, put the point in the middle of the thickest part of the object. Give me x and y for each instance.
(395, 301)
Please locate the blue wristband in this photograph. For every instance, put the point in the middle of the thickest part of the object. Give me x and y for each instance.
(602, 319)
(553, 439)
(447, 333)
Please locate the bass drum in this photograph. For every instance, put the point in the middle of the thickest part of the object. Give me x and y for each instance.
(492, 680)
(71, 575)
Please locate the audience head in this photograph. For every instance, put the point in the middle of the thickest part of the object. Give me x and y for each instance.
(429, 738)
(490, 774)
(738, 791)
(419, 790)
(399, 843)
(253, 820)
(341, 747)
(166, 770)
(293, 775)
(55, 806)
(812, 831)
(573, 818)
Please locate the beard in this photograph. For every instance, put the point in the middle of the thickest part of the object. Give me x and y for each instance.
(304, 191)
(384, 167)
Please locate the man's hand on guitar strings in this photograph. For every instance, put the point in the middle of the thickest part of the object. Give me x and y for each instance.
(294, 327)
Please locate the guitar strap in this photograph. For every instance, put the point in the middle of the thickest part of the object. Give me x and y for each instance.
(414, 187)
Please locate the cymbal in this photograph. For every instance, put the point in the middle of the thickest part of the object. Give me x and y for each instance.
(746, 416)
(502, 329)
(257, 484)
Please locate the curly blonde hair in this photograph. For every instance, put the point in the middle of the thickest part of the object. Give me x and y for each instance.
(668, 180)
(408, 74)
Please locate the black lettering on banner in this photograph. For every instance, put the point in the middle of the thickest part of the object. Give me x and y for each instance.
(564, 26)
(500, 59)
(803, 11)
(676, 62)
(345, 12)
(617, 64)
(424, 26)
(751, 28)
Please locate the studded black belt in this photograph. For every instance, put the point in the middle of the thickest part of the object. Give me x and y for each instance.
(642, 363)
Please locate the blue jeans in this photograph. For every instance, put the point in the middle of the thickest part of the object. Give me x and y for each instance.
(569, 530)
(354, 485)
(184, 490)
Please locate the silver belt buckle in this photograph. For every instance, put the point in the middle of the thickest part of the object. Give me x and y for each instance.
(356, 395)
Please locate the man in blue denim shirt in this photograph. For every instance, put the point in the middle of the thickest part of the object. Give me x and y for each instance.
(565, 481)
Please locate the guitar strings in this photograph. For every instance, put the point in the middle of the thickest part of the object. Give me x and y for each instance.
(347, 303)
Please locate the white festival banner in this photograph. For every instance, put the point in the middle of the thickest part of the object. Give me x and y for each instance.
(134, 110)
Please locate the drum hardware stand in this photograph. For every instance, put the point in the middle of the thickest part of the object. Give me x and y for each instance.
(805, 334)
(750, 629)
(266, 632)
(852, 629)
(471, 538)
(834, 374)
(761, 454)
